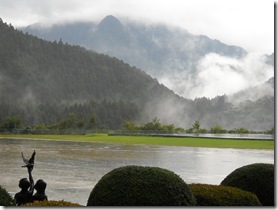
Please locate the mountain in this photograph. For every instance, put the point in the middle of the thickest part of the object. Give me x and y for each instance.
(35, 72)
(169, 54)
(254, 93)
(43, 82)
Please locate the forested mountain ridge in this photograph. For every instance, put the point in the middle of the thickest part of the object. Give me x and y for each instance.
(35, 72)
(45, 82)
(170, 54)
(49, 71)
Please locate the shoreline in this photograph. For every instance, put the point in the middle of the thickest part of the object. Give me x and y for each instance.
(153, 140)
(194, 136)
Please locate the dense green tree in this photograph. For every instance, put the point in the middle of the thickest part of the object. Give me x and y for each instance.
(12, 122)
(92, 122)
(40, 127)
(241, 130)
(129, 126)
(218, 129)
(154, 125)
(70, 122)
(196, 126)
(190, 130)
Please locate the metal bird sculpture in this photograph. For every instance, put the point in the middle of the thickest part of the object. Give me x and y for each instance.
(29, 163)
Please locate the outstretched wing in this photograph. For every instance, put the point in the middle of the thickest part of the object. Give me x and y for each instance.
(26, 161)
(32, 159)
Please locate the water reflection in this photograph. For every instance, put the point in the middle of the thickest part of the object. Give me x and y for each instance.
(71, 169)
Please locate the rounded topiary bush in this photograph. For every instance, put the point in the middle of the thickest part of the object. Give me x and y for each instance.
(141, 186)
(257, 178)
(52, 203)
(217, 195)
(5, 198)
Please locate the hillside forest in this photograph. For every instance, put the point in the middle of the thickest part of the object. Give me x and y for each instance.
(47, 84)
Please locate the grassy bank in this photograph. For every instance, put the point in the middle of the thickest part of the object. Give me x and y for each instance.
(148, 140)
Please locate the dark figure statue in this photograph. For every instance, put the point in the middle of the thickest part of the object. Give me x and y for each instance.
(40, 187)
(27, 189)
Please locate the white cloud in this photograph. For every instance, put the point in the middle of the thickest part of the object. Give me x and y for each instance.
(219, 75)
(245, 23)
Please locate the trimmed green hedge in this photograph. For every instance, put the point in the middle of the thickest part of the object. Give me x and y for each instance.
(5, 198)
(141, 186)
(257, 178)
(52, 203)
(217, 195)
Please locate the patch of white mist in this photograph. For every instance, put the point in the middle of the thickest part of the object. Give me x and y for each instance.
(218, 75)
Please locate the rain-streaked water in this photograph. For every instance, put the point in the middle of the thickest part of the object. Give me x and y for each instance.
(71, 169)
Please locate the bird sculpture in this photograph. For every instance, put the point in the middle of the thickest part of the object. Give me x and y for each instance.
(29, 163)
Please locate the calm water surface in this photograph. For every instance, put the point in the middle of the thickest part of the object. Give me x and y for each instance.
(71, 169)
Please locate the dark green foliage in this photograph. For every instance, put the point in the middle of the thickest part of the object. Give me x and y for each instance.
(88, 115)
(141, 186)
(5, 198)
(12, 122)
(218, 129)
(241, 130)
(196, 127)
(150, 127)
(257, 178)
(214, 195)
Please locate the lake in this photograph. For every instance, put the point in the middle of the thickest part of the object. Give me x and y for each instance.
(71, 169)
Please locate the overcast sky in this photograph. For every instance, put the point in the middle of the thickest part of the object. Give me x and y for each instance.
(245, 23)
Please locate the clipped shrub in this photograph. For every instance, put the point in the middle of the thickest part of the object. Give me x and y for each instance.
(141, 186)
(52, 203)
(257, 178)
(217, 195)
(5, 198)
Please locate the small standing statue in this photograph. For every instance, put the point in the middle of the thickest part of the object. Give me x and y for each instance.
(27, 187)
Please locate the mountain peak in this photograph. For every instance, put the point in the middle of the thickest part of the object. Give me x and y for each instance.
(112, 29)
(110, 21)
(110, 18)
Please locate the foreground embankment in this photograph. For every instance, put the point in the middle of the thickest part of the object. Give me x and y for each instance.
(155, 140)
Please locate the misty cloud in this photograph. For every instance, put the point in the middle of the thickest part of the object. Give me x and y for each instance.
(219, 75)
(226, 22)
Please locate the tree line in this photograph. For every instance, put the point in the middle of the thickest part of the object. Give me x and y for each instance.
(197, 129)
(153, 126)
(90, 115)
(72, 122)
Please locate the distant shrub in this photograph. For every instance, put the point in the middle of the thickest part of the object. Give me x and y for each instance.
(214, 195)
(52, 203)
(5, 198)
(257, 178)
(141, 186)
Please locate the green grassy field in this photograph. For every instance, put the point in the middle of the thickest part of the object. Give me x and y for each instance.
(149, 140)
